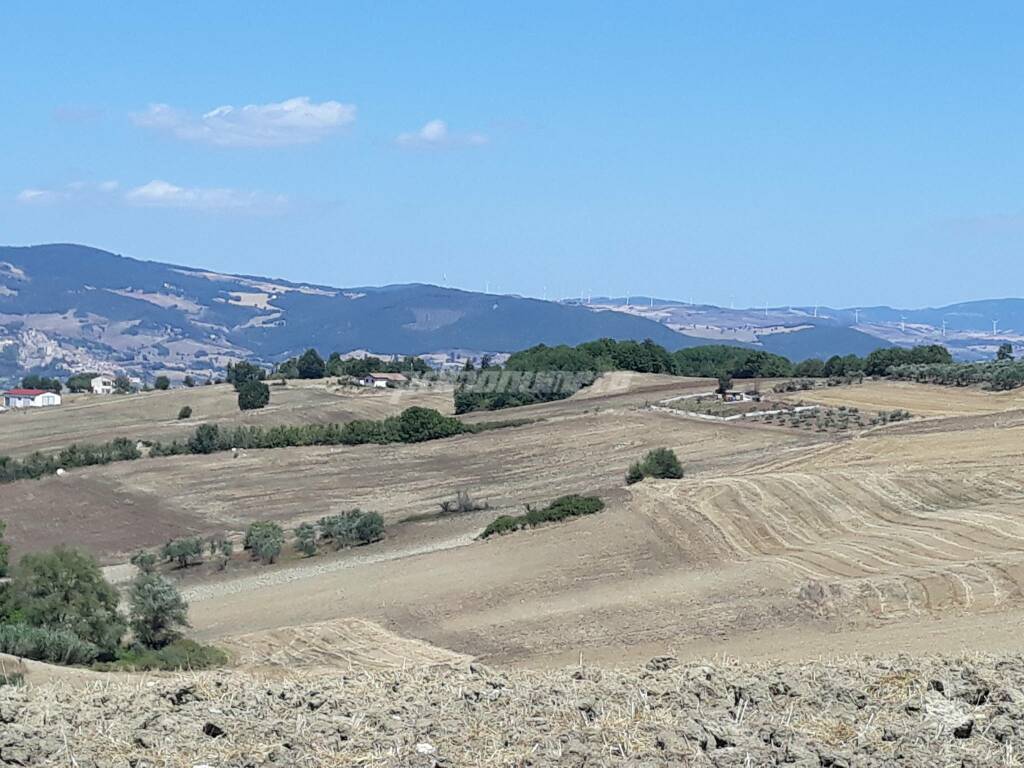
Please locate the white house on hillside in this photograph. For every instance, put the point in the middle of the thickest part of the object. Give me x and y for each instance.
(30, 398)
(382, 380)
(102, 385)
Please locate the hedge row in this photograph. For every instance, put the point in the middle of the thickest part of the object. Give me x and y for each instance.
(559, 509)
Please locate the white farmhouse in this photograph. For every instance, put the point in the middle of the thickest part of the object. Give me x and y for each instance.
(382, 380)
(30, 398)
(102, 385)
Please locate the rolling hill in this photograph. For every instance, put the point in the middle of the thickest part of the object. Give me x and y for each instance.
(70, 307)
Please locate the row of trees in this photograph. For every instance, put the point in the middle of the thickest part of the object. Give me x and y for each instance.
(310, 365)
(413, 425)
(38, 464)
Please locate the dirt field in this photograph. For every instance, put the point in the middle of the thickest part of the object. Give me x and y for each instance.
(919, 399)
(777, 544)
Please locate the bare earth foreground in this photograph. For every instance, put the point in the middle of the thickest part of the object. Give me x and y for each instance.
(783, 547)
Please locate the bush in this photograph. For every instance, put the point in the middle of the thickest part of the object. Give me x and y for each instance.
(265, 541)
(179, 655)
(352, 528)
(144, 561)
(561, 508)
(306, 539)
(185, 551)
(162, 382)
(38, 464)
(185, 412)
(64, 590)
(157, 610)
(253, 395)
(311, 366)
(662, 463)
(54, 646)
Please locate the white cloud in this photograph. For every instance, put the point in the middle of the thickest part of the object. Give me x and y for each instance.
(37, 196)
(155, 194)
(294, 121)
(435, 133)
(163, 194)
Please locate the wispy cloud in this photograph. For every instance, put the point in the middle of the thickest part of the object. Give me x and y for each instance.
(75, 190)
(163, 194)
(294, 121)
(155, 194)
(435, 133)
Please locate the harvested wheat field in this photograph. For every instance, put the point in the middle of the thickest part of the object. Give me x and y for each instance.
(782, 547)
(918, 712)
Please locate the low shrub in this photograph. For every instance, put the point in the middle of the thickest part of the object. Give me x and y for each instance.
(179, 655)
(185, 412)
(54, 646)
(661, 463)
(560, 509)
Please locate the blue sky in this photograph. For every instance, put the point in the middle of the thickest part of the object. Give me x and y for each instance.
(788, 152)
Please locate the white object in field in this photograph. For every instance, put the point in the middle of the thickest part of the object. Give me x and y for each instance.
(60, 471)
(424, 748)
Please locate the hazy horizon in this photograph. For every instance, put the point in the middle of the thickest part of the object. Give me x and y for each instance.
(733, 155)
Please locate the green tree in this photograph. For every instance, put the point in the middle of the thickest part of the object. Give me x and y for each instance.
(161, 382)
(65, 590)
(188, 381)
(185, 412)
(206, 439)
(662, 463)
(244, 372)
(81, 382)
(42, 382)
(265, 541)
(1005, 351)
(305, 539)
(157, 611)
(122, 385)
(145, 561)
(311, 365)
(253, 395)
(184, 551)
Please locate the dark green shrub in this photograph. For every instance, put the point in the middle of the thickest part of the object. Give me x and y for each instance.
(662, 463)
(561, 508)
(253, 395)
(185, 412)
(180, 655)
(352, 528)
(161, 382)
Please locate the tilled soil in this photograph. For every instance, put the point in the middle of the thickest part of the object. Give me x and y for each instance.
(902, 711)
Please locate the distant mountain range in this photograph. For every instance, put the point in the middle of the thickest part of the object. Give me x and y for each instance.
(70, 308)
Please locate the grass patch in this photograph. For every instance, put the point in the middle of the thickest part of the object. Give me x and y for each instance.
(561, 508)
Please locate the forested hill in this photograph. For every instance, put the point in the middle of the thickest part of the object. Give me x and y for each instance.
(68, 307)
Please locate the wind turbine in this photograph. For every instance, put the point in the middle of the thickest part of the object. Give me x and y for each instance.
(943, 327)
(994, 324)
(903, 323)
(856, 317)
